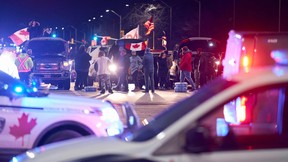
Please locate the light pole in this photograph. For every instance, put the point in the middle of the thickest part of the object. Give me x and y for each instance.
(120, 18)
(279, 17)
(199, 14)
(63, 31)
(170, 30)
(75, 29)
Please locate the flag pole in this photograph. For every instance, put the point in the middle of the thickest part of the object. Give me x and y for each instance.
(153, 40)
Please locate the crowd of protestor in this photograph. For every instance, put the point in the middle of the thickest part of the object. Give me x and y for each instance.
(148, 72)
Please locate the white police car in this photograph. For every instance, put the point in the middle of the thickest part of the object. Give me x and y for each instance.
(29, 118)
(243, 117)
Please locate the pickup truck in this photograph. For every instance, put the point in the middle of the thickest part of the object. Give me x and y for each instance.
(51, 63)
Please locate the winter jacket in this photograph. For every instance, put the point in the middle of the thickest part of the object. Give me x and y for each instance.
(24, 62)
(186, 62)
(82, 62)
(148, 62)
(102, 65)
(135, 63)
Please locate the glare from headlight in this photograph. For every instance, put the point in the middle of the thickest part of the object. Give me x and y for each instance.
(65, 63)
(217, 62)
(113, 68)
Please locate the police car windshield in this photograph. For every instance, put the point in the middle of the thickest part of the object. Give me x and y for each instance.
(178, 110)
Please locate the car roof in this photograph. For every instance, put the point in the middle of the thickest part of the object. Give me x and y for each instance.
(277, 72)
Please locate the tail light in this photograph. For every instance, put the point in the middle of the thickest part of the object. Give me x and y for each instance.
(245, 63)
(241, 109)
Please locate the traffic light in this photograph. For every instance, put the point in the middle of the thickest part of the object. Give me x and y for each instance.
(54, 35)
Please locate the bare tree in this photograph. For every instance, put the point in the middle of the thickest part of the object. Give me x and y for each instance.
(140, 13)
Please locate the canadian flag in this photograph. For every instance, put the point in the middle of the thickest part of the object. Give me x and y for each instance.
(133, 34)
(136, 46)
(20, 36)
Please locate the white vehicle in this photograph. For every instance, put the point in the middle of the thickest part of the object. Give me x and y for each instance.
(243, 117)
(29, 118)
(245, 50)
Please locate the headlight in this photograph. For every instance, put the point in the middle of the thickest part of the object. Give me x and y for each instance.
(112, 68)
(217, 62)
(65, 65)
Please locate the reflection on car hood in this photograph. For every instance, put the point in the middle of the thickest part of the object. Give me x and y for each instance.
(82, 147)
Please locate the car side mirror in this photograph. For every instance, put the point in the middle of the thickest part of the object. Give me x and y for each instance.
(197, 140)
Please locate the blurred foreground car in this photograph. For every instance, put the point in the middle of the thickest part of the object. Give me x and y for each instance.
(243, 117)
(29, 118)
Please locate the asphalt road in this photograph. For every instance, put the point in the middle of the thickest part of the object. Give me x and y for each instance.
(146, 105)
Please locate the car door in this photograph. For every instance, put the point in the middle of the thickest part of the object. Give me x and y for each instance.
(251, 126)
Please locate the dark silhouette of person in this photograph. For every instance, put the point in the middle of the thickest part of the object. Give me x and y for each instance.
(163, 71)
(123, 64)
(34, 29)
(148, 67)
(82, 65)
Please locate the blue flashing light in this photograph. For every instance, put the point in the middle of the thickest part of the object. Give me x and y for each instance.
(54, 35)
(18, 89)
(95, 38)
(34, 89)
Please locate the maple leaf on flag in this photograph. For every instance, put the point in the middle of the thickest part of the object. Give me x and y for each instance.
(135, 46)
(24, 127)
(24, 32)
(20, 36)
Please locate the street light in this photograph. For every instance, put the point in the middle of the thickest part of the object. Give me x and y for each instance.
(120, 18)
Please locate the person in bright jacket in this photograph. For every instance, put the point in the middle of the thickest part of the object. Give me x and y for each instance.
(24, 65)
(186, 67)
(102, 67)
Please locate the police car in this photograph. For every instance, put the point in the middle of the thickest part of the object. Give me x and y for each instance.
(29, 118)
(243, 117)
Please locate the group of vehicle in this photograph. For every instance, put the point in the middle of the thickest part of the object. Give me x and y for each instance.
(240, 116)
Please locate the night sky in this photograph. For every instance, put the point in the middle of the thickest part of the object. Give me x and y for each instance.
(217, 16)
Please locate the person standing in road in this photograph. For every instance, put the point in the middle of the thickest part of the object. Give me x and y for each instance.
(163, 71)
(124, 64)
(148, 67)
(186, 66)
(24, 65)
(196, 59)
(135, 68)
(82, 65)
(102, 63)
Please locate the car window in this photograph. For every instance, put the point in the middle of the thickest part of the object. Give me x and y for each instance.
(248, 121)
(178, 110)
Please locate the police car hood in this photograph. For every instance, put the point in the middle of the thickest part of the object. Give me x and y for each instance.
(59, 102)
(86, 147)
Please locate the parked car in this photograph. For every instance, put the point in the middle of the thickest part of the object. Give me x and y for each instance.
(243, 117)
(30, 118)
